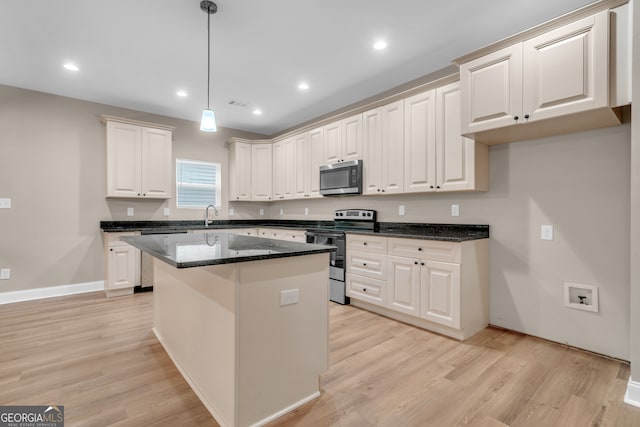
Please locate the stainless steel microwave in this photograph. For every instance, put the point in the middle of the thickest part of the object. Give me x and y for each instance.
(341, 179)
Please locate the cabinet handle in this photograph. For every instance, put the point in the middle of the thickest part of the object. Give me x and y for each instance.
(364, 264)
(437, 187)
(516, 118)
(378, 189)
(383, 190)
(138, 194)
(364, 243)
(422, 263)
(526, 116)
(420, 249)
(431, 186)
(415, 262)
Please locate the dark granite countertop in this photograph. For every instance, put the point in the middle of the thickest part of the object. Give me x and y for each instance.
(443, 232)
(200, 249)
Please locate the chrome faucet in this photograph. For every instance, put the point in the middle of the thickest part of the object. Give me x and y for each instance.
(206, 215)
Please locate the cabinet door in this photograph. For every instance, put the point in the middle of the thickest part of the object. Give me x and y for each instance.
(420, 142)
(123, 160)
(240, 171)
(315, 145)
(261, 173)
(278, 170)
(440, 293)
(403, 285)
(333, 143)
(566, 70)
(372, 146)
(300, 167)
(289, 167)
(492, 90)
(455, 153)
(122, 267)
(352, 138)
(156, 163)
(393, 147)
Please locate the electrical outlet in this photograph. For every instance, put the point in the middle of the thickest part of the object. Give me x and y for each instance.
(289, 297)
(455, 210)
(261, 211)
(166, 211)
(401, 210)
(232, 212)
(306, 211)
(281, 211)
(546, 232)
(5, 274)
(129, 211)
(5, 203)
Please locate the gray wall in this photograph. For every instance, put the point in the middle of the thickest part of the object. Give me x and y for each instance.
(54, 170)
(53, 167)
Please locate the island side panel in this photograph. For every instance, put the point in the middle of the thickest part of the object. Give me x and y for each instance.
(194, 319)
(282, 350)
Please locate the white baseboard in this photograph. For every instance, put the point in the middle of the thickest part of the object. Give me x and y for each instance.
(632, 396)
(50, 292)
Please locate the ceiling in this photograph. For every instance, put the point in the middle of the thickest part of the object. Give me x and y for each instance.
(138, 54)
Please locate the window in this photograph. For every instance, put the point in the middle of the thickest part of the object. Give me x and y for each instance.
(197, 184)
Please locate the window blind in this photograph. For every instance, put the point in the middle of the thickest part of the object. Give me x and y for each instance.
(197, 184)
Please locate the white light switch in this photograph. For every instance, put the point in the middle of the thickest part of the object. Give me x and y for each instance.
(166, 211)
(455, 210)
(5, 273)
(401, 210)
(129, 211)
(5, 203)
(288, 297)
(546, 232)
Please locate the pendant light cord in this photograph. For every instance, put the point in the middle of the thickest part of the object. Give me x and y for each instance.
(208, 57)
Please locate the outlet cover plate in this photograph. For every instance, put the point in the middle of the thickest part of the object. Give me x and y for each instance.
(581, 297)
(5, 274)
(546, 232)
(5, 203)
(401, 210)
(289, 297)
(455, 210)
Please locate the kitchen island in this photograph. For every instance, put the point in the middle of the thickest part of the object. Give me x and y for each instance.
(244, 319)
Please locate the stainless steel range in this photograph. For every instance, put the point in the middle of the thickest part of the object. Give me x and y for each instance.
(343, 220)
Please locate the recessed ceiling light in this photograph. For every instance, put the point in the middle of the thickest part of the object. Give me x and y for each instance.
(380, 44)
(303, 86)
(71, 67)
(257, 112)
(181, 93)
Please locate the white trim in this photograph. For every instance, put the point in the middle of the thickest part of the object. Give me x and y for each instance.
(632, 396)
(286, 410)
(50, 292)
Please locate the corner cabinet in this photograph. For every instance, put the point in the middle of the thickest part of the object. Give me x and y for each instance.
(437, 285)
(139, 159)
(561, 76)
(250, 170)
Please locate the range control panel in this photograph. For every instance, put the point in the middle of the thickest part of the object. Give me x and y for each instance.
(355, 215)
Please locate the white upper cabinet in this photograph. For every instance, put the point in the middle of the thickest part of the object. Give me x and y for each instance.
(261, 172)
(383, 133)
(278, 170)
(567, 70)
(139, 160)
(289, 167)
(301, 166)
(315, 147)
(561, 76)
(461, 163)
(239, 171)
(420, 142)
(343, 140)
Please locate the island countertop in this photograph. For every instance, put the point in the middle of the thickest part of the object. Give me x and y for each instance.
(200, 249)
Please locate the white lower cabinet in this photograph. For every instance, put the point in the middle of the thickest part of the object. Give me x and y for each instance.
(122, 265)
(437, 285)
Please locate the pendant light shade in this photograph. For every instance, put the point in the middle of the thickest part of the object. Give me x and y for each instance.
(208, 121)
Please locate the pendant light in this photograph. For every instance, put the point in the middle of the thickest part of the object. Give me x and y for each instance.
(208, 122)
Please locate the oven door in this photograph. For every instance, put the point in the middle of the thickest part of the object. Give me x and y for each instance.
(337, 258)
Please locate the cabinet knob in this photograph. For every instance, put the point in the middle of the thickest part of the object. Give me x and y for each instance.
(111, 249)
(420, 249)
(422, 263)
(365, 243)
(431, 186)
(364, 289)
(516, 118)
(138, 194)
(364, 264)
(526, 116)
(144, 194)
(437, 187)
(383, 190)
(378, 189)
(415, 262)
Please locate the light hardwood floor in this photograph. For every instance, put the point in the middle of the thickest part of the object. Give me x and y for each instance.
(99, 358)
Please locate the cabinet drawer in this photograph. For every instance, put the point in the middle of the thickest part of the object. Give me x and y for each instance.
(365, 289)
(366, 243)
(113, 239)
(425, 249)
(367, 264)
